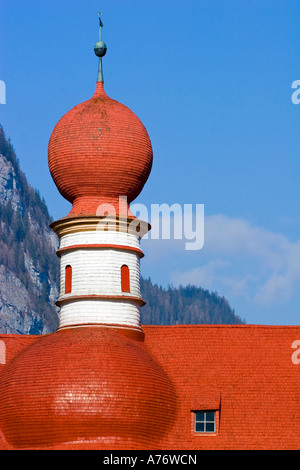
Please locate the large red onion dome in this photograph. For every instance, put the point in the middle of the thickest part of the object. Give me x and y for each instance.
(98, 151)
(85, 388)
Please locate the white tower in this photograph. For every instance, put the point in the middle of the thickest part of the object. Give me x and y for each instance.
(100, 272)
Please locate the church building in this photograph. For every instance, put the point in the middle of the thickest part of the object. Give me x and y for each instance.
(103, 380)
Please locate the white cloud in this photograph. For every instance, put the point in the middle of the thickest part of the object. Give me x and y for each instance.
(274, 261)
(204, 276)
(239, 259)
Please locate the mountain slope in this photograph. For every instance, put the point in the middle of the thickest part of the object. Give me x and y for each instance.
(29, 267)
(29, 270)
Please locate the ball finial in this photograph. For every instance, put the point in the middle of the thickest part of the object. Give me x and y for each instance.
(100, 49)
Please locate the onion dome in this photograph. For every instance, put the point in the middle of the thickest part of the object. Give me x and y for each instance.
(99, 151)
(86, 388)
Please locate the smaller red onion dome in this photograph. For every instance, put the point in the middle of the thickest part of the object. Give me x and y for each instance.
(99, 151)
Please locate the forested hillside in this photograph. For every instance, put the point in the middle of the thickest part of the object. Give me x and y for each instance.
(185, 305)
(29, 267)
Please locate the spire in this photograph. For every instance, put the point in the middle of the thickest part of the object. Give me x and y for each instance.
(100, 50)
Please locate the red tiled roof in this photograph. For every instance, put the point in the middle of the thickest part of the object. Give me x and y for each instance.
(14, 344)
(98, 151)
(243, 371)
(248, 369)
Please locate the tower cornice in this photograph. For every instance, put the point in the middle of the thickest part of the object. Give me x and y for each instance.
(72, 225)
(102, 246)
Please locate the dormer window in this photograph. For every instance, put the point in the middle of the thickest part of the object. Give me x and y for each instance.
(205, 421)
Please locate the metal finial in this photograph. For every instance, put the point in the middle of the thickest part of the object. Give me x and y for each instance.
(100, 50)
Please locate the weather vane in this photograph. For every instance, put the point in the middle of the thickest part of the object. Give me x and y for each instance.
(100, 49)
(100, 24)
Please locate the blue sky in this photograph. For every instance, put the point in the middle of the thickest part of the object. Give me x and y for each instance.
(211, 80)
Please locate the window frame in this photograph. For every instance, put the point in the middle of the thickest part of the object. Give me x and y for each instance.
(205, 421)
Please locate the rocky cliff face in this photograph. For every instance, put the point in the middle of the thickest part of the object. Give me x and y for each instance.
(8, 184)
(29, 267)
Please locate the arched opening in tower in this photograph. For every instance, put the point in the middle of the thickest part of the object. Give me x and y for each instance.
(68, 280)
(125, 278)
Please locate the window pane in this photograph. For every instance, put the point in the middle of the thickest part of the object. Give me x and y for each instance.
(210, 416)
(210, 427)
(199, 415)
(199, 427)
